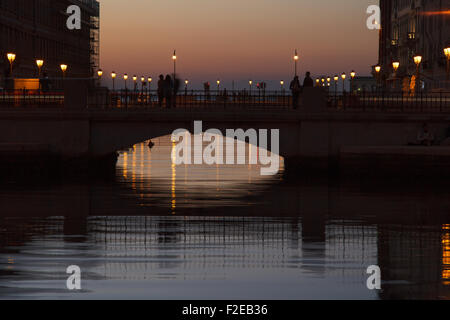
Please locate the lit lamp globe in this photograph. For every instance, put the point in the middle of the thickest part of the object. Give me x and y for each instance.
(100, 73)
(447, 53)
(395, 65)
(417, 60)
(353, 74)
(64, 69)
(125, 77)
(39, 64)
(11, 57)
(343, 76)
(377, 69)
(336, 78)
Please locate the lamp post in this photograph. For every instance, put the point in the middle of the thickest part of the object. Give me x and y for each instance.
(250, 84)
(135, 82)
(218, 85)
(343, 76)
(100, 74)
(39, 64)
(296, 58)
(186, 82)
(352, 75)
(323, 82)
(113, 76)
(336, 79)
(64, 69)
(317, 82)
(11, 57)
(377, 72)
(143, 84)
(150, 80)
(125, 78)
(282, 86)
(174, 58)
(395, 66)
(417, 61)
(447, 55)
(328, 81)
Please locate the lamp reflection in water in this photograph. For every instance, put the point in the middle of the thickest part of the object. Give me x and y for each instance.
(174, 178)
(125, 165)
(446, 254)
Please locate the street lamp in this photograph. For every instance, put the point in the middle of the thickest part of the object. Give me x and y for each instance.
(64, 69)
(11, 57)
(395, 66)
(125, 78)
(149, 83)
(417, 61)
(282, 85)
(323, 82)
(250, 84)
(377, 72)
(353, 75)
(296, 58)
(100, 74)
(343, 76)
(336, 79)
(447, 55)
(174, 58)
(113, 76)
(143, 84)
(317, 82)
(135, 82)
(39, 64)
(328, 81)
(218, 85)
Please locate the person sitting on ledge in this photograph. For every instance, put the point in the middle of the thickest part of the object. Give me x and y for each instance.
(425, 137)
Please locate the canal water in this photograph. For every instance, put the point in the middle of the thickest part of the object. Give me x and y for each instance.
(160, 231)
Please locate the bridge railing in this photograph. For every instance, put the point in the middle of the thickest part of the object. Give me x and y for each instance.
(31, 98)
(192, 99)
(391, 102)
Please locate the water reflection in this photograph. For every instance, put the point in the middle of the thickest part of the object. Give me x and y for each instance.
(188, 232)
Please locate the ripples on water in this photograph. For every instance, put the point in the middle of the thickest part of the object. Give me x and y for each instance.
(189, 232)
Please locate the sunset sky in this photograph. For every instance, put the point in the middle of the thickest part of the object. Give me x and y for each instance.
(236, 39)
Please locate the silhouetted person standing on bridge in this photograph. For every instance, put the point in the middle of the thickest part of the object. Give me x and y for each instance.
(308, 82)
(168, 91)
(295, 89)
(161, 90)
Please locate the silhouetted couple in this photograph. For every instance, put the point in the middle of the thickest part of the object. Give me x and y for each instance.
(165, 90)
(168, 89)
(296, 88)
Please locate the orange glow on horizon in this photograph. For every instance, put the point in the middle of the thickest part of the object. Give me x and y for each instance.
(436, 13)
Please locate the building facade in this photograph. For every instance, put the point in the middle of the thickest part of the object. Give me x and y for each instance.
(414, 27)
(37, 29)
